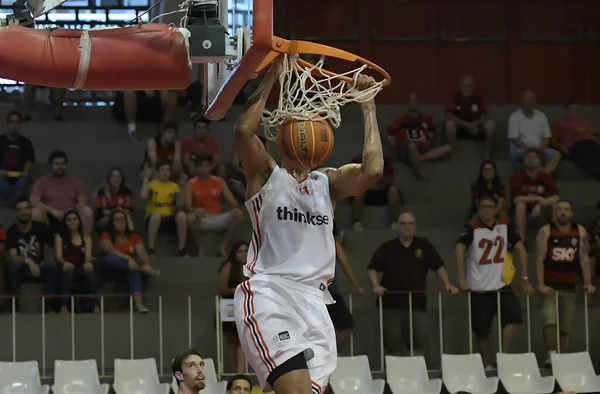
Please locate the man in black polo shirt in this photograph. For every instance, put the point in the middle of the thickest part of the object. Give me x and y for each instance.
(404, 263)
(467, 117)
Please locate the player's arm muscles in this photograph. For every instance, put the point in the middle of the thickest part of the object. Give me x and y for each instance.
(249, 148)
(584, 256)
(354, 179)
(541, 249)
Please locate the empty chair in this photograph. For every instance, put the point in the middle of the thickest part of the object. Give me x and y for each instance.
(520, 374)
(575, 372)
(138, 377)
(353, 375)
(77, 377)
(464, 372)
(408, 375)
(21, 378)
(213, 386)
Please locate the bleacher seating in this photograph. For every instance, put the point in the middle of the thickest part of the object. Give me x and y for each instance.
(575, 372)
(520, 374)
(353, 376)
(464, 372)
(77, 377)
(21, 378)
(138, 376)
(408, 375)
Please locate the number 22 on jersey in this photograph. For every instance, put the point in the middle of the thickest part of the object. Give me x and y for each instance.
(493, 250)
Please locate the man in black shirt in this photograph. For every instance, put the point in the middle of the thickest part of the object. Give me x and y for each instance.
(25, 242)
(16, 159)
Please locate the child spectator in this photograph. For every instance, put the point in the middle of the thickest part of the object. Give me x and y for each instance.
(111, 196)
(165, 146)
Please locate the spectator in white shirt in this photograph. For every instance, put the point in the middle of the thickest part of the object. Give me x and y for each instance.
(529, 128)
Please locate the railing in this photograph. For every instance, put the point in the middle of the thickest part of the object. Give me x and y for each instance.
(187, 328)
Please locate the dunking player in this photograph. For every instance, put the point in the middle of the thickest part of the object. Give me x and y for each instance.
(280, 312)
(188, 370)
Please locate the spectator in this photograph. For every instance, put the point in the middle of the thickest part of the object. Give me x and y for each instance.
(162, 209)
(562, 247)
(413, 133)
(487, 183)
(230, 276)
(404, 263)
(203, 195)
(467, 117)
(200, 143)
(16, 159)
(55, 194)
(239, 384)
(593, 231)
(576, 139)
(533, 193)
(74, 254)
(152, 106)
(339, 313)
(56, 96)
(189, 372)
(383, 192)
(528, 128)
(124, 257)
(485, 240)
(26, 262)
(165, 146)
(115, 194)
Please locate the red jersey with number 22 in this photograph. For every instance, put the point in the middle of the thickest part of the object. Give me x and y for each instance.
(486, 249)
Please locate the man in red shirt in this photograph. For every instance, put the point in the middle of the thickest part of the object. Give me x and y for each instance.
(467, 117)
(533, 192)
(576, 138)
(200, 143)
(413, 133)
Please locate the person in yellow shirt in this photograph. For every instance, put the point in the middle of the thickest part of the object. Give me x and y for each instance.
(163, 208)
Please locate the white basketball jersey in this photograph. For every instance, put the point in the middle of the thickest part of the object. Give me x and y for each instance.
(293, 230)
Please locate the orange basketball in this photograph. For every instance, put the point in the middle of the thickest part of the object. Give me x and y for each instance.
(305, 143)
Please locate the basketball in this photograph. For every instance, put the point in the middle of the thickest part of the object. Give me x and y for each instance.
(305, 143)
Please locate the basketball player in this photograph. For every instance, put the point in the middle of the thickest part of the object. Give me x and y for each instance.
(280, 312)
(485, 240)
(562, 247)
(188, 370)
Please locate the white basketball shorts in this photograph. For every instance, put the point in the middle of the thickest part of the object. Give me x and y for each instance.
(277, 319)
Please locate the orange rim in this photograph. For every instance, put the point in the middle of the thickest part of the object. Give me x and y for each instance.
(281, 46)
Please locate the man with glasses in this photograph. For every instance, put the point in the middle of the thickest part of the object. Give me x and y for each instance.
(484, 242)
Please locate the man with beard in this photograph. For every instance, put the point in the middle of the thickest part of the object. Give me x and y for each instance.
(25, 242)
(561, 246)
(188, 370)
(53, 195)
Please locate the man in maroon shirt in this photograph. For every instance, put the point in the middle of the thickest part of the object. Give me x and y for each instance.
(576, 138)
(533, 191)
(467, 117)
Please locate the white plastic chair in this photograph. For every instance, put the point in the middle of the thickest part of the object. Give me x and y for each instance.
(353, 375)
(77, 377)
(213, 386)
(575, 372)
(138, 377)
(21, 378)
(464, 372)
(408, 375)
(520, 374)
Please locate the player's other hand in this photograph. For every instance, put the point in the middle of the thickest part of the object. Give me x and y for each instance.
(360, 291)
(451, 289)
(545, 289)
(464, 286)
(364, 81)
(590, 289)
(379, 290)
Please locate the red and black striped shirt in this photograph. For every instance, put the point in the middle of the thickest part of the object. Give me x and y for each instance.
(561, 263)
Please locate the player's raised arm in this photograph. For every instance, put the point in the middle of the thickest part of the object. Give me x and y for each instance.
(354, 179)
(248, 146)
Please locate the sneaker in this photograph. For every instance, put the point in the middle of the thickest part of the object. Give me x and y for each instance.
(358, 226)
(141, 308)
(490, 368)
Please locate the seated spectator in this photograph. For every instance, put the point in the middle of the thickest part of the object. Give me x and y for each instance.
(166, 146)
(74, 255)
(123, 257)
(162, 209)
(115, 194)
(55, 194)
(383, 192)
(16, 160)
(576, 139)
(533, 193)
(200, 143)
(55, 96)
(488, 183)
(152, 106)
(528, 127)
(26, 262)
(413, 133)
(231, 275)
(239, 384)
(203, 195)
(404, 263)
(467, 117)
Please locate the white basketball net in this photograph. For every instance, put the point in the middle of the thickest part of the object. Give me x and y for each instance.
(308, 93)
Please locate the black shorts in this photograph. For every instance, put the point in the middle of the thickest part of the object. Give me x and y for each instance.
(484, 306)
(167, 224)
(340, 314)
(149, 109)
(377, 197)
(463, 133)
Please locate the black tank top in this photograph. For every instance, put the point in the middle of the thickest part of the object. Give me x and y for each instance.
(74, 254)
